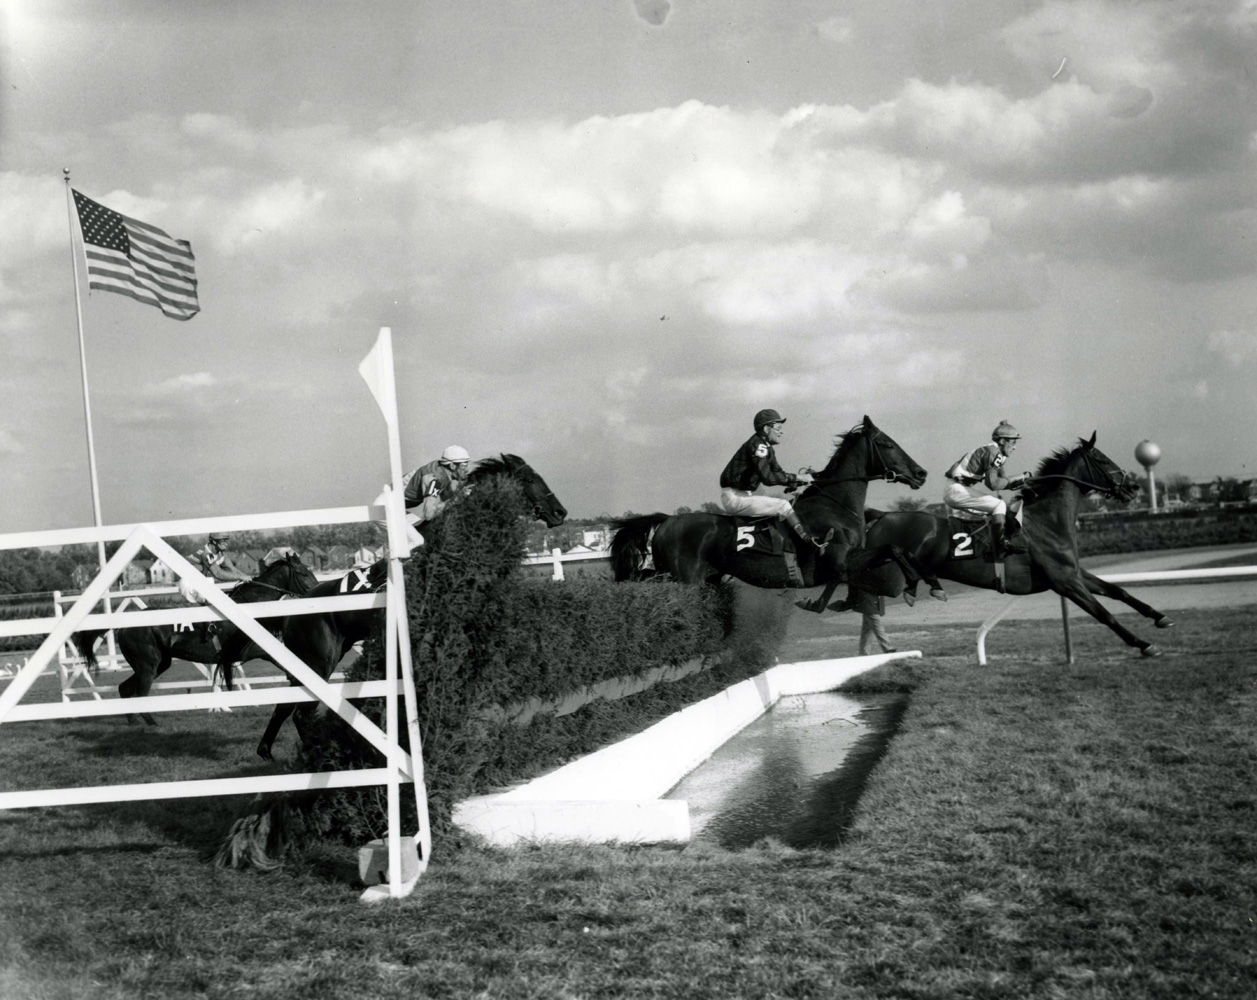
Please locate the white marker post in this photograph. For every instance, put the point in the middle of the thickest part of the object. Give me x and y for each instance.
(377, 369)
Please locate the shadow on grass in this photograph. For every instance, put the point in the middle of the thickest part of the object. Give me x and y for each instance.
(142, 740)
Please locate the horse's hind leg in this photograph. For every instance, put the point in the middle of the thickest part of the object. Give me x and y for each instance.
(1112, 590)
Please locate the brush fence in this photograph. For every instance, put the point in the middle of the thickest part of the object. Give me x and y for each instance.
(399, 766)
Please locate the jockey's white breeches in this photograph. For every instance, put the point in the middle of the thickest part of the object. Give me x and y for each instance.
(964, 497)
(749, 504)
(192, 593)
(413, 517)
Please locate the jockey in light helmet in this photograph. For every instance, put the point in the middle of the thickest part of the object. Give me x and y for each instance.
(983, 467)
(430, 487)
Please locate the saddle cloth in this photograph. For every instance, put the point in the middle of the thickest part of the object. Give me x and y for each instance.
(764, 536)
(760, 534)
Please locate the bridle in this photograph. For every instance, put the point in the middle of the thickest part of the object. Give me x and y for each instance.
(1109, 488)
(887, 474)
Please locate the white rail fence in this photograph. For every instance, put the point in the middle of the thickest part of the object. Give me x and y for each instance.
(400, 766)
(1163, 576)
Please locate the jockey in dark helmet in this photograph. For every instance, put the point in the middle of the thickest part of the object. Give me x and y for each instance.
(755, 464)
(983, 467)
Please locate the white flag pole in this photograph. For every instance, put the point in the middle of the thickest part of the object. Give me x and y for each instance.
(377, 370)
(87, 404)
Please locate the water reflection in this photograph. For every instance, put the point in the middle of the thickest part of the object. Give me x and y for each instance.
(795, 774)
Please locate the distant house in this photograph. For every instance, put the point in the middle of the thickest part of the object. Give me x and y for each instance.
(368, 554)
(339, 557)
(314, 557)
(599, 538)
(160, 575)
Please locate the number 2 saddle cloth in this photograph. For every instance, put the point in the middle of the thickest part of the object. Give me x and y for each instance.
(970, 538)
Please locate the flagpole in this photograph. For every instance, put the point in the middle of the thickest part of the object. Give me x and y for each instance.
(87, 405)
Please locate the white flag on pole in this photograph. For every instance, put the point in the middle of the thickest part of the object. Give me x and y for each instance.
(377, 369)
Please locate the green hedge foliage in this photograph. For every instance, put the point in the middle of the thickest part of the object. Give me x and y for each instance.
(1152, 532)
(483, 635)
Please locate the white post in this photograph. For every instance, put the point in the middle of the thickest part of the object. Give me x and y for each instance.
(557, 555)
(1152, 488)
(87, 405)
(990, 624)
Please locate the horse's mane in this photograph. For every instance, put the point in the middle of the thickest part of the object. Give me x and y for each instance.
(842, 443)
(1057, 462)
(503, 465)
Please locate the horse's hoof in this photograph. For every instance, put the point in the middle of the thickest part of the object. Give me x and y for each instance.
(265, 753)
(1150, 650)
(132, 720)
(938, 593)
(151, 721)
(814, 606)
(1163, 622)
(909, 598)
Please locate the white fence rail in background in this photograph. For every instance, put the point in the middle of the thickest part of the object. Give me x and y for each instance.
(1162, 576)
(557, 557)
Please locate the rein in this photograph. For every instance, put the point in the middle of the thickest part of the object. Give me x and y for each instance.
(1108, 490)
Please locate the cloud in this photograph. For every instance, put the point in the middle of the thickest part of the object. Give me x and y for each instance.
(181, 385)
(9, 445)
(653, 11)
(1237, 347)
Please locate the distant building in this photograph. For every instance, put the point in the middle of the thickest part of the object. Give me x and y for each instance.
(339, 557)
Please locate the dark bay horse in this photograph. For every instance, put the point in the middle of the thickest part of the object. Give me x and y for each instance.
(322, 640)
(149, 649)
(704, 548)
(1049, 535)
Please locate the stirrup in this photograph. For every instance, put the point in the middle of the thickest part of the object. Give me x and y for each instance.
(822, 543)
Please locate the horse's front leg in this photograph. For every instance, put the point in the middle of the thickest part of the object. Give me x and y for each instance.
(272, 730)
(830, 565)
(818, 605)
(1077, 591)
(1112, 590)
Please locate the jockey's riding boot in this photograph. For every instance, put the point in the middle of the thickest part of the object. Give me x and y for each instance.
(820, 542)
(999, 544)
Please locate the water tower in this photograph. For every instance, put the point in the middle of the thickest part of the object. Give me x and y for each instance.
(1148, 454)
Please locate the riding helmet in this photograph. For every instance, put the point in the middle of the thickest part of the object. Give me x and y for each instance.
(1005, 430)
(765, 417)
(455, 454)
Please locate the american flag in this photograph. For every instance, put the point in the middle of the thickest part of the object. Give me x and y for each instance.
(133, 258)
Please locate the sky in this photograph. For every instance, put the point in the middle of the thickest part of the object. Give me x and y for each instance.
(606, 232)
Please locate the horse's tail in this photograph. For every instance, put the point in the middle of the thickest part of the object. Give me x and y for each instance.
(260, 837)
(86, 641)
(630, 545)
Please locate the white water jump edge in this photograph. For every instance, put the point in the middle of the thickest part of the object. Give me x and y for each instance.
(614, 795)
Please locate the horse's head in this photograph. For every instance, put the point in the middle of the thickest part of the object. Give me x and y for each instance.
(867, 452)
(1101, 473)
(1089, 468)
(283, 569)
(545, 505)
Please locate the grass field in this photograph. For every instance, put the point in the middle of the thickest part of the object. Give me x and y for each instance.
(1036, 830)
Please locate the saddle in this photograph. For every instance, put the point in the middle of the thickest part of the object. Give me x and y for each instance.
(969, 537)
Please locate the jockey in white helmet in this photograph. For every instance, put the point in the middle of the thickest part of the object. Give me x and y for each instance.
(983, 467)
(430, 487)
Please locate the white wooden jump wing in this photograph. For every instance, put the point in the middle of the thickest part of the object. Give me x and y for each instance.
(377, 369)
